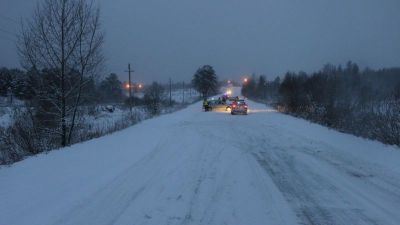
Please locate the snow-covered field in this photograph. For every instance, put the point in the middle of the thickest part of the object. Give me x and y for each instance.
(105, 121)
(184, 95)
(192, 167)
(179, 95)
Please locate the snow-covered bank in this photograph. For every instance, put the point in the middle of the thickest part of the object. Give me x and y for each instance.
(20, 139)
(192, 167)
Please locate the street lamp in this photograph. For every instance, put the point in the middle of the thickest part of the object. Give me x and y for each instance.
(245, 80)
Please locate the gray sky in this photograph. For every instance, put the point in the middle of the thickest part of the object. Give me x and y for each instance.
(173, 38)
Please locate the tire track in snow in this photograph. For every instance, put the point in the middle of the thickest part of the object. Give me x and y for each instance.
(293, 188)
(301, 184)
(106, 205)
(269, 193)
(348, 164)
(209, 155)
(348, 174)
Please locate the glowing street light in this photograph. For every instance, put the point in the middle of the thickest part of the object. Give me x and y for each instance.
(245, 80)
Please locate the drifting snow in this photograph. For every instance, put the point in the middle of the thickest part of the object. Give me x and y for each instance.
(192, 167)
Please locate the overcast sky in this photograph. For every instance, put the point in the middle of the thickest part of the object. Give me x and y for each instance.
(172, 38)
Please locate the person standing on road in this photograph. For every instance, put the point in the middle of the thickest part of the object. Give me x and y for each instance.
(205, 105)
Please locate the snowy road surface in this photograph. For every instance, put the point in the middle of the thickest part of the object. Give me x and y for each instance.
(192, 167)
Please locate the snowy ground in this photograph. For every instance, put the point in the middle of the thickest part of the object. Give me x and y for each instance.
(104, 121)
(186, 95)
(192, 167)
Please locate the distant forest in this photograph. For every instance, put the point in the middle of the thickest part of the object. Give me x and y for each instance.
(365, 103)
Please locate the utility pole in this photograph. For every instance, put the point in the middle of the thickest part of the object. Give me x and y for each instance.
(265, 90)
(130, 87)
(183, 92)
(170, 92)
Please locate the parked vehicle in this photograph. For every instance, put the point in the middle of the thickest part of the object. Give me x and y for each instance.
(216, 105)
(229, 105)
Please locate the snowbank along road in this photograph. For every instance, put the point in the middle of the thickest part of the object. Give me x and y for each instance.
(192, 167)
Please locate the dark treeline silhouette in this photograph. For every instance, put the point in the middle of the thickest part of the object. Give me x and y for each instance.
(365, 103)
(260, 88)
(13, 82)
(205, 81)
(24, 85)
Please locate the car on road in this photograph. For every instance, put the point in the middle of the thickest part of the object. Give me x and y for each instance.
(215, 105)
(239, 107)
(229, 105)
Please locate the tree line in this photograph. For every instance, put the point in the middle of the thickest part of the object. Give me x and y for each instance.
(23, 85)
(365, 103)
(36, 121)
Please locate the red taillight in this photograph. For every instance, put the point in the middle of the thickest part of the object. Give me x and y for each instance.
(234, 106)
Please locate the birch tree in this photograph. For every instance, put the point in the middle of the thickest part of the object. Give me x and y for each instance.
(63, 37)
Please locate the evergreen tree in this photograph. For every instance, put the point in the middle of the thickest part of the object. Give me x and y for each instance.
(111, 88)
(205, 81)
(262, 87)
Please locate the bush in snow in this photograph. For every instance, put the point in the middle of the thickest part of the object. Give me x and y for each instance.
(153, 98)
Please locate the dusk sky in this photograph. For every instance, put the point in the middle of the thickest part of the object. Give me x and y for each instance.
(163, 39)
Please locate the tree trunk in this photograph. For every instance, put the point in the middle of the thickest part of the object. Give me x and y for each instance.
(63, 102)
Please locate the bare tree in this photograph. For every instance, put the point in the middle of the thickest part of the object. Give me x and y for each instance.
(153, 98)
(64, 37)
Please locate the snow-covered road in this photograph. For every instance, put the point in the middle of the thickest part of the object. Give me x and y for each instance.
(192, 167)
